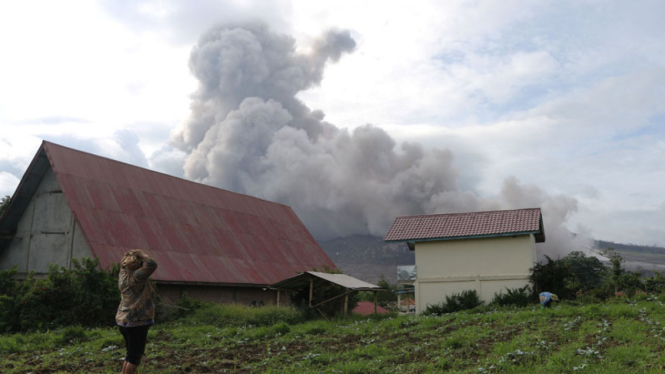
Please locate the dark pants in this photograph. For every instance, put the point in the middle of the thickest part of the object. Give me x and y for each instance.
(135, 338)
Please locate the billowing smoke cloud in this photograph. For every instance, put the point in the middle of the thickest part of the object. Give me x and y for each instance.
(249, 133)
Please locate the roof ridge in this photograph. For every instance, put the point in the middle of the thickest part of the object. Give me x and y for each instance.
(467, 213)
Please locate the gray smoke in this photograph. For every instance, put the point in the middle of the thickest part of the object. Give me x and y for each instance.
(249, 133)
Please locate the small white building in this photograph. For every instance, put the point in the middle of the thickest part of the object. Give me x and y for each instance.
(482, 251)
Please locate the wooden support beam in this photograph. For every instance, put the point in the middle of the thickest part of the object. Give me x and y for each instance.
(311, 291)
(375, 299)
(278, 293)
(332, 298)
(346, 303)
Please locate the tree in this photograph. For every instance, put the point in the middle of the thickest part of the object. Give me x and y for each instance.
(554, 276)
(616, 270)
(4, 203)
(589, 272)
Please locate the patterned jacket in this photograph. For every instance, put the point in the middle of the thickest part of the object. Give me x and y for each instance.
(137, 305)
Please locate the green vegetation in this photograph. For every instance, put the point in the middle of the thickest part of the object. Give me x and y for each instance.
(605, 323)
(513, 296)
(620, 335)
(465, 300)
(83, 295)
(386, 299)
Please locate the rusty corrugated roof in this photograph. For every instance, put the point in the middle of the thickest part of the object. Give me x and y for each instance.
(196, 233)
(468, 225)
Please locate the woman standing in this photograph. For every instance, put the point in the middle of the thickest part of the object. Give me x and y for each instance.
(137, 305)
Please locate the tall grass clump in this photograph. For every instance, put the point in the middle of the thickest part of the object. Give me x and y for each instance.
(183, 308)
(465, 300)
(240, 315)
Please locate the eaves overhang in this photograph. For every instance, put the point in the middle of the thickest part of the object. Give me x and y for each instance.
(539, 236)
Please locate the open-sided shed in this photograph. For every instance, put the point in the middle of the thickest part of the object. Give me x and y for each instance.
(312, 279)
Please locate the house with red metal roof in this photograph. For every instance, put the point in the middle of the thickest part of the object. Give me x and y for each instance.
(211, 243)
(483, 251)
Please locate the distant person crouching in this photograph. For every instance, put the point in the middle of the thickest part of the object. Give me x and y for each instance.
(546, 299)
(136, 312)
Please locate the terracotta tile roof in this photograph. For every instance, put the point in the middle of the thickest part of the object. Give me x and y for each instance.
(465, 225)
(366, 308)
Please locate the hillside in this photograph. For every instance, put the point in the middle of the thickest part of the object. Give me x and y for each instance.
(619, 336)
(368, 257)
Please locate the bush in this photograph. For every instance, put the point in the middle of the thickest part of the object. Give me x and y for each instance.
(513, 296)
(555, 277)
(185, 307)
(630, 283)
(281, 328)
(655, 284)
(456, 302)
(85, 296)
(240, 315)
(71, 335)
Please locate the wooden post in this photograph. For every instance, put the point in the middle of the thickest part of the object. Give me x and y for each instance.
(278, 293)
(346, 304)
(311, 291)
(399, 303)
(375, 302)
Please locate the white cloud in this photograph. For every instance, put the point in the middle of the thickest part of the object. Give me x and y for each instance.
(8, 183)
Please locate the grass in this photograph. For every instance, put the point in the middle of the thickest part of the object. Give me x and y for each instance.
(615, 337)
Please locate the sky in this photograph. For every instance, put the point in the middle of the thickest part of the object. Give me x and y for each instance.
(555, 102)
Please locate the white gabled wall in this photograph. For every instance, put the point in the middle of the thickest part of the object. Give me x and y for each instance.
(487, 265)
(46, 233)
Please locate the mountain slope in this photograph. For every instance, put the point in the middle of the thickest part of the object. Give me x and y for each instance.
(368, 257)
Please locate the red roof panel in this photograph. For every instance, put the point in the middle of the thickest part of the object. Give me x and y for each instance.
(196, 233)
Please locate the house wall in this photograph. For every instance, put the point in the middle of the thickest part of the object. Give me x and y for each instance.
(46, 233)
(220, 294)
(487, 265)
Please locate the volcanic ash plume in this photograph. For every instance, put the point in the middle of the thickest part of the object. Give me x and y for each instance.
(249, 133)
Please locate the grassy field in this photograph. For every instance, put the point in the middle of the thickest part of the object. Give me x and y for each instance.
(621, 336)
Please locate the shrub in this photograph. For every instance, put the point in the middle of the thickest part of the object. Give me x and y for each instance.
(513, 296)
(554, 276)
(630, 283)
(587, 272)
(185, 307)
(71, 335)
(315, 330)
(281, 328)
(84, 295)
(655, 284)
(240, 315)
(456, 302)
